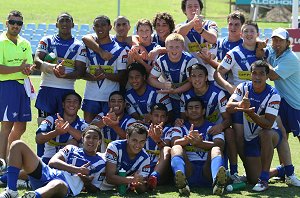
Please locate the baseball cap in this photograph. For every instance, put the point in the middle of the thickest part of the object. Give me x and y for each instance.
(281, 33)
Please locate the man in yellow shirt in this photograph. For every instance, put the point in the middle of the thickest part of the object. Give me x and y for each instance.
(15, 64)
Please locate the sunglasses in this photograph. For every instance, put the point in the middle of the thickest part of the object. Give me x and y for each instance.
(13, 22)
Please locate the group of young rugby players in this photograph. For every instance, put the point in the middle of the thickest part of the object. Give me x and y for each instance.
(171, 103)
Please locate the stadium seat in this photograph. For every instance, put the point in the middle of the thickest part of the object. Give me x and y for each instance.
(42, 26)
(1, 26)
(50, 32)
(83, 32)
(268, 35)
(28, 31)
(79, 37)
(85, 27)
(75, 27)
(52, 26)
(26, 36)
(223, 34)
(268, 32)
(30, 26)
(37, 37)
(40, 31)
(74, 32)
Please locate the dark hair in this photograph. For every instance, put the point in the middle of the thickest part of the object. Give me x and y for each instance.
(137, 128)
(250, 22)
(102, 17)
(74, 94)
(198, 66)
(15, 13)
(62, 14)
(138, 67)
(167, 17)
(183, 5)
(116, 93)
(92, 128)
(194, 99)
(237, 15)
(261, 63)
(158, 106)
(121, 17)
(143, 22)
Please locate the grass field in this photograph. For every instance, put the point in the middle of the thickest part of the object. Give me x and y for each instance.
(43, 11)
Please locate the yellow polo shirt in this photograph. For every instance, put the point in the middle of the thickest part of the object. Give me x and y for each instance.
(13, 55)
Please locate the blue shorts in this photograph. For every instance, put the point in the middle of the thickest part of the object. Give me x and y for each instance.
(197, 178)
(252, 148)
(49, 99)
(48, 174)
(14, 102)
(175, 108)
(94, 107)
(290, 118)
(237, 117)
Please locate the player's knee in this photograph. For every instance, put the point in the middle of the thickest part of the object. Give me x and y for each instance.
(17, 145)
(216, 151)
(176, 150)
(59, 187)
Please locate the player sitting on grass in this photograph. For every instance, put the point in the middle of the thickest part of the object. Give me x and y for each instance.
(158, 146)
(69, 170)
(260, 103)
(196, 155)
(131, 156)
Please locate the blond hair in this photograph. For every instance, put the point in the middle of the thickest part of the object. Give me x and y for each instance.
(175, 37)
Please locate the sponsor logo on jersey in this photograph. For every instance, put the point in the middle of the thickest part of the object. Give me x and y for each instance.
(274, 105)
(228, 59)
(82, 52)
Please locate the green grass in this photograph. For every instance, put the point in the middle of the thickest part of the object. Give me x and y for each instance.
(43, 11)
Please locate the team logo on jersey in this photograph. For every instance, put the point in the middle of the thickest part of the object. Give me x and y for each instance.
(238, 92)
(274, 105)
(223, 101)
(146, 168)
(47, 122)
(82, 52)
(124, 58)
(111, 155)
(228, 59)
(42, 45)
(244, 61)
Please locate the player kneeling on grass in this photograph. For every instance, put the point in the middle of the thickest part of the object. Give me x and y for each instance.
(260, 103)
(196, 155)
(68, 172)
(131, 156)
(158, 146)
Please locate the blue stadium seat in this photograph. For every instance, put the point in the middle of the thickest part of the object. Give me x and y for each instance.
(268, 35)
(79, 37)
(85, 27)
(31, 26)
(37, 37)
(83, 32)
(28, 31)
(223, 34)
(268, 31)
(74, 32)
(75, 27)
(42, 26)
(50, 32)
(26, 36)
(52, 26)
(40, 31)
(1, 26)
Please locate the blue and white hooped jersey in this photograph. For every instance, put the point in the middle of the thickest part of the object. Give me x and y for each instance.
(177, 73)
(194, 42)
(53, 146)
(109, 134)
(100, 90)
(214, 100)
(149, 48)
(267, 102)
(194, 153)
(142, 104)
(151, 147)
(77, 157)
(239, 61)
(116, 153)
(68, 50)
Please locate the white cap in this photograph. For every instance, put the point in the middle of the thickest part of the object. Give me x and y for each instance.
(281, 33)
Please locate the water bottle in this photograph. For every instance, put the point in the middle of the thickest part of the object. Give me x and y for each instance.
(122, 188)
(50, 57)
(236, 186)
